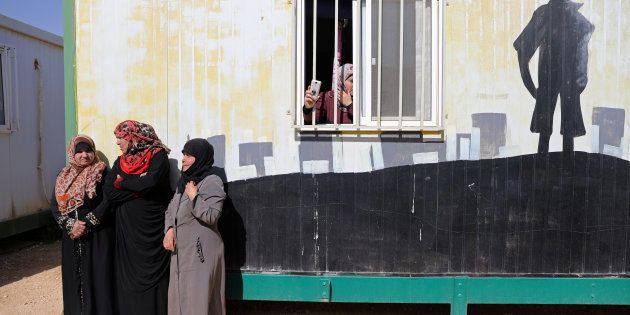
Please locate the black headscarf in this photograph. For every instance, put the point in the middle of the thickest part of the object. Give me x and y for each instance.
(83, 147)
(204, 159)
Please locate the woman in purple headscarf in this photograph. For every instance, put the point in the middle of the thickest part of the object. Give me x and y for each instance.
(325, 102)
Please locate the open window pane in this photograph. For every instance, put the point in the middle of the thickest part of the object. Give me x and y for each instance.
(397, 72)
(325, 48)
(326, 59)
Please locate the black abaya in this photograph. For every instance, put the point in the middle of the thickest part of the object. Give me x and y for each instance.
(141, 261)
(87, 263)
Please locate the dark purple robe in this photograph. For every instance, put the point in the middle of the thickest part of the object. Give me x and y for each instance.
(325, 111)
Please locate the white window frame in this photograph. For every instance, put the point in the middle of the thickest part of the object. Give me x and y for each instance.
(9, 88)
(363, 120)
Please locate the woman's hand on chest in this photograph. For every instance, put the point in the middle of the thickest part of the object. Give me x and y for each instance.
(191, 190)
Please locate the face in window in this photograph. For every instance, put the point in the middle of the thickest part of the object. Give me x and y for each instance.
(348, 85)
(84, 157)
(187, 161)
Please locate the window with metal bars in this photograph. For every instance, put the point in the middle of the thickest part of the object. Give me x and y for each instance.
(3, 114)
(389, 50)
(7, 85)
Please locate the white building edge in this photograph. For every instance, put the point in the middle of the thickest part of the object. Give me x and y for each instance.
(32, 149)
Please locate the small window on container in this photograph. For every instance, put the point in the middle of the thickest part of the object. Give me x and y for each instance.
(7, 88)
(392, 51)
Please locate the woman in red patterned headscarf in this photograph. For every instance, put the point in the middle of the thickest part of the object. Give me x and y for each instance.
(88, 242)
(139, 190)
(138, 143)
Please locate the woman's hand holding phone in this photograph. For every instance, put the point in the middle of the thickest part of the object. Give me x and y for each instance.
(312, 94)
(309, 99)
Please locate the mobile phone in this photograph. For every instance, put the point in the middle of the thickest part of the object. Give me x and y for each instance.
(315, 86)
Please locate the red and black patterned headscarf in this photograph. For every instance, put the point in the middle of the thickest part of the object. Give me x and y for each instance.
(143, 144)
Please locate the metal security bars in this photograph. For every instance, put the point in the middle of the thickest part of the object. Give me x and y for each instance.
(8, 87)
(397, 63)
(3, 115)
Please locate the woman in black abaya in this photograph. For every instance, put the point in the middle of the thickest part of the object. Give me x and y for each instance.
(87, 247)
(139, 190)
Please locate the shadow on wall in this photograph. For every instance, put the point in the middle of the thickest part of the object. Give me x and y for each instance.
(230, 224)
(234, 236)
(174, 173)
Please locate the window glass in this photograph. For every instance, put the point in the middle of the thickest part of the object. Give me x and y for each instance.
(416, 61)
(2, 113)
(402, 85)
(390, 48)
(325, 44)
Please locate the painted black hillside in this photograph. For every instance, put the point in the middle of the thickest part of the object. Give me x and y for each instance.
(556, 213)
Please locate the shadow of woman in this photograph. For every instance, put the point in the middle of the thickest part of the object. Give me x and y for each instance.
(234, 236)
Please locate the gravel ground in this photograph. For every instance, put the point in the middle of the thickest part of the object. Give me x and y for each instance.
(30, 277)
(30, 283)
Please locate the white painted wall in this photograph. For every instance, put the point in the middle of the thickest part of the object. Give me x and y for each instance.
(21, 185)
(217, 68)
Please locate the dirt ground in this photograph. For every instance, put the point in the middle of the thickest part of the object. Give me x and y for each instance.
(30, 283)
(30, 276)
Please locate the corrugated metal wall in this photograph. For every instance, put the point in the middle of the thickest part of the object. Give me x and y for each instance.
(21, 190)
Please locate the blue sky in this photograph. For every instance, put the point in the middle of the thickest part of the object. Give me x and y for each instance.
(44, 14)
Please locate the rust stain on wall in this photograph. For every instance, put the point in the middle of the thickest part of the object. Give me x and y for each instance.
(201, 68)
(190, 68)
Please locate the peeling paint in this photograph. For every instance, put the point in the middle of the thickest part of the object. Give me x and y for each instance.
(413, 199)
(209, 68)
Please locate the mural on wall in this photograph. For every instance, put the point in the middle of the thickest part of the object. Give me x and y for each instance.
(479, 203)
(486, 109)
(608, 130)
(535, 214)
(561, 34)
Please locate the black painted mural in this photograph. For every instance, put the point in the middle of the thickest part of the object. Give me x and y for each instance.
(561, 213)
(561, 34)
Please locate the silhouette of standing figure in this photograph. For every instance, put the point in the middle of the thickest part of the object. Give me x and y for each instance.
(562, 35)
